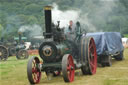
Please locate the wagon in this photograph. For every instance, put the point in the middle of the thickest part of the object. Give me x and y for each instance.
(108, 46)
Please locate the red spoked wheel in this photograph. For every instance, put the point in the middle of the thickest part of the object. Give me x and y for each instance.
(88, 55)
(68, 68)
(33, 70)
(92, 56)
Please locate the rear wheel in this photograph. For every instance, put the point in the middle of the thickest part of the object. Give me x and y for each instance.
(22, 54)
(68, 68)
(88, 55)
(33, 70)
(3, 53)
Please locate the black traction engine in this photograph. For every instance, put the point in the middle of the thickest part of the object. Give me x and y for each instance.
(60, 54)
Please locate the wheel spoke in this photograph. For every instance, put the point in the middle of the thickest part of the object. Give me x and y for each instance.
(34, 70)
(93, 55)
(90, 45)
(68, 67)
(34, 63)
(92, 58)
(92, 65)
(35, 77)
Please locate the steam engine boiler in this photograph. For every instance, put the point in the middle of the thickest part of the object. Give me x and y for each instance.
(60, 54)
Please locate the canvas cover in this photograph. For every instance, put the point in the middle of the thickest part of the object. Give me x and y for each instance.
(107, 43)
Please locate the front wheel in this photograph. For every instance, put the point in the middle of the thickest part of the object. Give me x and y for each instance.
(22, 54)
(33, 70)
(68, 68)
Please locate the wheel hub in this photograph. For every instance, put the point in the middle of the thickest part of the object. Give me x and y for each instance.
(47, 51)
(68, 68)
(23, 54)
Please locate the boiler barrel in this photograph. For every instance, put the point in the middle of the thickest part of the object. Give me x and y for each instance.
(51, 52)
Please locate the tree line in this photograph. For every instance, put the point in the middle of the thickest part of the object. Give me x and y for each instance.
(16, 13)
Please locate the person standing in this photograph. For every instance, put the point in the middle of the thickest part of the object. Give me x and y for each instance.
(70, 31)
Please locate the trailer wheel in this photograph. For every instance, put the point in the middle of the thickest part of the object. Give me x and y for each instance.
(33, 70)
(103, 64)
(68, 68)
(22, 54)
(3, 53)
(88, 55)
(107, 61)
(120, 56)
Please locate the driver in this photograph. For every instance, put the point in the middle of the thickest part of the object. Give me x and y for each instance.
(70, 31)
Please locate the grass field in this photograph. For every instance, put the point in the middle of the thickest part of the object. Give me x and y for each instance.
(14, 72)
(126, 35)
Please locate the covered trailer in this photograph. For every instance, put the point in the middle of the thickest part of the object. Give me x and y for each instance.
(108, 45)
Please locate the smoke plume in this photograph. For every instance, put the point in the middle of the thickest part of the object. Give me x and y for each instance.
(64, 16)
(91, 14)
(32, 30)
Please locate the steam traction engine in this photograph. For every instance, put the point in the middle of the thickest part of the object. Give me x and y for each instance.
(60, 54)
(21, 52)
(12, 48)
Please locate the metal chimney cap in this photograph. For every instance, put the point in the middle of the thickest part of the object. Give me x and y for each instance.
(19, 32)
(47, 7)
